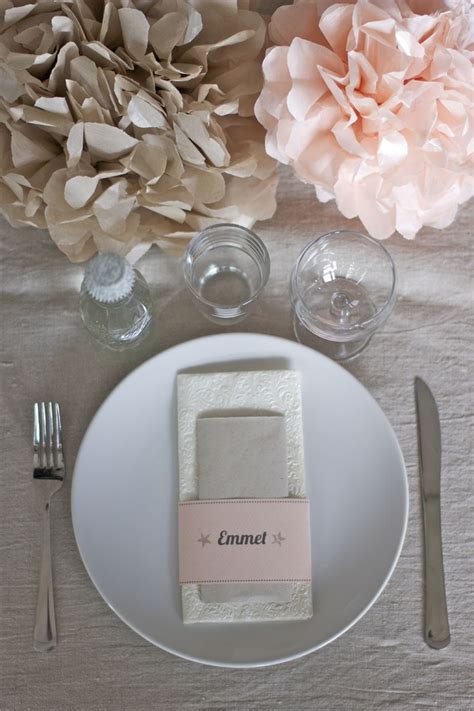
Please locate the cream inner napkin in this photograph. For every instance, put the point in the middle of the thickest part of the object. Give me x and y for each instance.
(242, 457)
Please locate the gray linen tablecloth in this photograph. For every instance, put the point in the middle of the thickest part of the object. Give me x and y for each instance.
(100, 663)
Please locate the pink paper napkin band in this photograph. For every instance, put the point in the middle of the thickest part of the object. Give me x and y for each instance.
(244, 540)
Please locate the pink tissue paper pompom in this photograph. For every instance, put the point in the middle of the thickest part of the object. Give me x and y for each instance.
(372, 103)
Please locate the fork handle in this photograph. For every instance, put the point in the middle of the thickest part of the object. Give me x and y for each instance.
(45, 624)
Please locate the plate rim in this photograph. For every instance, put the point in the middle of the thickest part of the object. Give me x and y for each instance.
(239, 664)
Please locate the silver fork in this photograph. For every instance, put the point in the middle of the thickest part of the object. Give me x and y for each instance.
(48, 473)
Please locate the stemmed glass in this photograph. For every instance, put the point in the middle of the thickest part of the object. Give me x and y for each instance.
(343, 288)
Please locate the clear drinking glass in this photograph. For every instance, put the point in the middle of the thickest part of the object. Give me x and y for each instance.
(342, 289)
(226, 268)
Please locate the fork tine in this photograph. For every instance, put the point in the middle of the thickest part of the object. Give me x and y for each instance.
(50, 449)
(36, 437)
(58, 436)
(43, 455)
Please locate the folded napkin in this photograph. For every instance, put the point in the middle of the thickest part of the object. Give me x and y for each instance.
(225, 422)
(242, 457)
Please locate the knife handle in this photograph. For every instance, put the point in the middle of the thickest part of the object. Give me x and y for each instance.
(436, 612)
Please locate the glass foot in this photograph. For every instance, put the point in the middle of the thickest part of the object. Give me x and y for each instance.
(337, 350)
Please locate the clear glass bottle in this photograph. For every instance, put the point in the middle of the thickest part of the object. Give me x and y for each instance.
(115, 301)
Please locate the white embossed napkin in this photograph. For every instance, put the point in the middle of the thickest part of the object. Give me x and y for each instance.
(269, 401)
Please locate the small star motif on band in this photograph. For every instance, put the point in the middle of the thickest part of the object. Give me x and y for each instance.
(278, 538)
(204, 539)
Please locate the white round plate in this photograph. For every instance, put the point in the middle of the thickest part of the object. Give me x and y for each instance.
(125, 493)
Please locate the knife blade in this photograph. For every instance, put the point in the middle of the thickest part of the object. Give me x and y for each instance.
(436, 630)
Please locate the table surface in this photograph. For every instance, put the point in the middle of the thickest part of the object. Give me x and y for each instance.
(100, 663)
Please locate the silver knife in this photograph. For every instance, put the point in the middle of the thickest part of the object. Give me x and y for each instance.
(429, 448)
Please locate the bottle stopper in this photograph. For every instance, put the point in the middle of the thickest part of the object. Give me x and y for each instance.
(109, 278)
